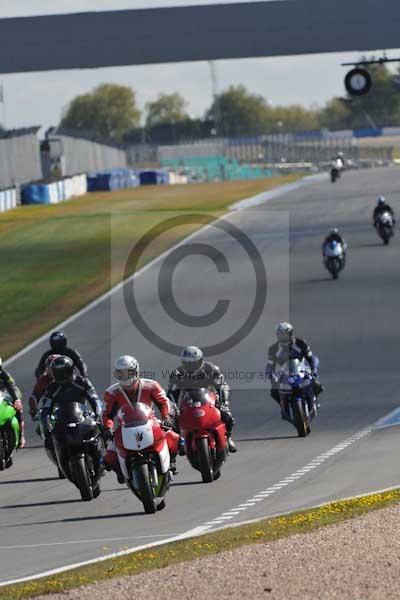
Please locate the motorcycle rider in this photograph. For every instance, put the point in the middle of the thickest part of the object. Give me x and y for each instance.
(40, 386)
(381, 207)
(340, 160)
(58, 345)
(289, 347)
(334, 236)
(193, 373)
(67, 386)
(131, 388)
(8, 384)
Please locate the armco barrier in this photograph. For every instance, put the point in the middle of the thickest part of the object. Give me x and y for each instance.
(53, 193)
(8, 200)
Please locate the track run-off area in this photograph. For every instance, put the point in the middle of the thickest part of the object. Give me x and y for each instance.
(352, 325)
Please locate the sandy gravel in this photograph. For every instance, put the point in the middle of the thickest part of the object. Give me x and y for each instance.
(357, 560)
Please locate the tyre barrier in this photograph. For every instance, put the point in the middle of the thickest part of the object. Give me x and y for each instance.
(114, 179)
(8, 199)
(53, 193)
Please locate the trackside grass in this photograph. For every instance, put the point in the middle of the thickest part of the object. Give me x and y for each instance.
(264, 531)
(56, 259)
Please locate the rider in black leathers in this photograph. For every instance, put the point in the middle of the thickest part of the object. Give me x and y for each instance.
(69, 387)
(287, 348)
(334, 236)
(380, 208)
(195, 373)
(58, 345)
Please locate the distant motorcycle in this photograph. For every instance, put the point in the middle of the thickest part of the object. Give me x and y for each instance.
(335, 174)
(334, 257)
(78, 446)
(205, 436)
(10, 431)
(297, 394)
(385, 226)
(143, 449)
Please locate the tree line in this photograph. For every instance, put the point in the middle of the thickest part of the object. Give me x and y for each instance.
(110, 112)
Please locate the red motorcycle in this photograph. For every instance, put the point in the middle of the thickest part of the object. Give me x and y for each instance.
(204, 432)
(143, 449)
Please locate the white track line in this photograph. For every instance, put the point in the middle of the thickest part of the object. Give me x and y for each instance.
(89, 541)
(241, 205)
(294, 477)
(192, 533)
(228, 515)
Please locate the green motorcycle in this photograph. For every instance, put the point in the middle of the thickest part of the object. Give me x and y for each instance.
(10, 431)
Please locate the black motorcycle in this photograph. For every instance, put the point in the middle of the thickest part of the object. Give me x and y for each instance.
(335, 174)
(78, 446)
(385, 226)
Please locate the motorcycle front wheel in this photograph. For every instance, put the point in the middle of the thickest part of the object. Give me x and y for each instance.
(79, 472)
(143, 486)
(300, 420)
(2, 453)
(204, 460)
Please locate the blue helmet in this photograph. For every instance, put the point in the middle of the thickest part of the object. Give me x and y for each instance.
(381, 200)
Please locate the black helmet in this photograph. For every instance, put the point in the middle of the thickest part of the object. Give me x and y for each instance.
(62, 369)
(58, 341)
(192, 359)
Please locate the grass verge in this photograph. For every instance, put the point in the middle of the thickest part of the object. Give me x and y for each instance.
(56, 259)
(264, 531)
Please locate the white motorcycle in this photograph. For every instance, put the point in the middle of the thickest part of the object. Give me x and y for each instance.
(143, 449)
(334, 257)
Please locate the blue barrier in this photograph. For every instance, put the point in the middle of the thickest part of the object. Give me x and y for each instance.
(114, 179)
(35, 194)
(153, 177)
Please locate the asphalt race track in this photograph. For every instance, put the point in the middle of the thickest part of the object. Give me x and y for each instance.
(352, 324)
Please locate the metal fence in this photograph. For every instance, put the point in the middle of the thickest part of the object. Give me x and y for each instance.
(82, 155)
(312, 148)
(19, 157)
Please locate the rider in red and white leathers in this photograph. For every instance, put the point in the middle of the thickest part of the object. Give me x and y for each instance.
(119, 399)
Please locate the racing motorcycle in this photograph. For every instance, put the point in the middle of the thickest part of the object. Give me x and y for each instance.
(334, 257)
(335, 174)
(143, 449)
(204, 432)
(385, 226)
(297, 395)
(10, 430)
(78, 446)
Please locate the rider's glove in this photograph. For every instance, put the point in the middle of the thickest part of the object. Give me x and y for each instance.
(167, 423)
(108, 435)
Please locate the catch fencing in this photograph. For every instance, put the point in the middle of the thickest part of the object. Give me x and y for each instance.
(82, 155)
(315, 147)
(19, 157)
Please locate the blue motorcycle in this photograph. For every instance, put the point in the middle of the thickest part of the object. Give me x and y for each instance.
(297, 394)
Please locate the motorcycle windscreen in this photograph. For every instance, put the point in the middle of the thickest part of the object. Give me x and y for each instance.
(197, 396)
(333, 250)
(70, 412)
(138, 438)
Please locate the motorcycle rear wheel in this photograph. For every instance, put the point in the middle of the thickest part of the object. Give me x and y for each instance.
(81, 477)
(300, 420)
(204, 460)
(145, 489)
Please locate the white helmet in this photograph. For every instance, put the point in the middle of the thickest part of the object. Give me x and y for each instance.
(126, 370)
(191, 359)
(284, 332)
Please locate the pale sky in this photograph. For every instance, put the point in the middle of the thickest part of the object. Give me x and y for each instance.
(39, 98)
